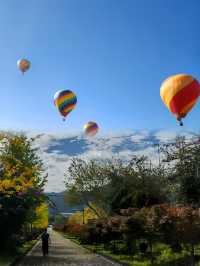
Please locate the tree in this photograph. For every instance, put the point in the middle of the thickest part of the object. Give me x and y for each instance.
(86, 184)
(179, 225)
(113, 184)
(183, 158)
(21, 185)
(41, 216)
(59, 219)
(135, 184)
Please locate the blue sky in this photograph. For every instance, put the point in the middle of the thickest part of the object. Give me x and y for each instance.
(113, 54)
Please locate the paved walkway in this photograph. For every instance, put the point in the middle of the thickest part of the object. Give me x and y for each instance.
(63, 252)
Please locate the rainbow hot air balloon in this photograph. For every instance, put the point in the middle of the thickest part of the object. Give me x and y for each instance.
(65, 101)
(91, 128)
(180, 93)
(23, 65)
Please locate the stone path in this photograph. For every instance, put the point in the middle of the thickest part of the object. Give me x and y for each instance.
(64, 252)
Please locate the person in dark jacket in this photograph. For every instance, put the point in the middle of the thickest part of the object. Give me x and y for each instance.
(45, 243)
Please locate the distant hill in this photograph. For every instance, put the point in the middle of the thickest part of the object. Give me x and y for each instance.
(60, 205)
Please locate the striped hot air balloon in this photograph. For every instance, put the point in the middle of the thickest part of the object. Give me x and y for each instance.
(65, 101)
(91, 128)
(180, 93)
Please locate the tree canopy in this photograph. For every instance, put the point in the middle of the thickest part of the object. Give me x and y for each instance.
(21, 184)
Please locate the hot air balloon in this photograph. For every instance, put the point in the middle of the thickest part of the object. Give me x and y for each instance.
(65, 101)
(91, 128)
(180, 93)
(23, 65)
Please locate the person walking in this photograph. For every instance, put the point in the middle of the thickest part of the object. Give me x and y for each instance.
(45, 243)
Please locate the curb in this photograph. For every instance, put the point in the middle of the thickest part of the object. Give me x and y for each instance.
(21, 257)
(107, 258)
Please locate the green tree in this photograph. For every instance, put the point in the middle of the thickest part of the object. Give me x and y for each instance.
(136, 184)
(113, 184)
(183, 158)
(86, 184)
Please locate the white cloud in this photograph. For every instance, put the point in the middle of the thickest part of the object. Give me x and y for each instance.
(56, 150)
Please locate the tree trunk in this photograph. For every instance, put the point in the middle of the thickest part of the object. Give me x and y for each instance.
(90, 206)
(192, 253)
(151, 252)
(93, 209)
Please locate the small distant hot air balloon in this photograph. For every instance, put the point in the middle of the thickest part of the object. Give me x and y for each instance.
(91, 128)
(180, 93)
(65, 101)
(23, 65)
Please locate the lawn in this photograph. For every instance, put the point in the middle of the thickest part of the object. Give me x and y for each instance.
(163, 255)
(6, 258)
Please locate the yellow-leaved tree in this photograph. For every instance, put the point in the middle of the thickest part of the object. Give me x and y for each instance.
(86, 215)
(41, 218)
(21, 186)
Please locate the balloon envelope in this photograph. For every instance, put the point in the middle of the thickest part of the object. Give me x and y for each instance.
(91, 128)
(23, 64)
(65, 101)
(180, 93)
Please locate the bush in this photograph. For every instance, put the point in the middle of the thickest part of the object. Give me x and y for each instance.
(143, 247)
(74, 229)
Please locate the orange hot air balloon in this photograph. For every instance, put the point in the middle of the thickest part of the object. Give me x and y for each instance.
(23, 65)
(180, 93)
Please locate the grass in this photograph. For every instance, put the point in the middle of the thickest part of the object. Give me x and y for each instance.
(164, 256)
(26, 247)
(72, 238)
(6, 258)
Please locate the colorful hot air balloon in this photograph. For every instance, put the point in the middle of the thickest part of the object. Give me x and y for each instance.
(180, 93)
(23, 65)
(65, 101)
(91, 128)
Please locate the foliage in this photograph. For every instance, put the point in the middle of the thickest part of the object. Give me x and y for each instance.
(59, 219)
(136, 184)
(176, 226)
(41, 216)
(75, 230)
(85, 216)
(76, 218)
(113, 185)
(184, 170)
(86, 184)
(21, 185)
(145, 205)
(9, 257)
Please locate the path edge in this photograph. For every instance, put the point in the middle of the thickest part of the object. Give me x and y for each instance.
(110, 259)
(21, 257)
(114, 261)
